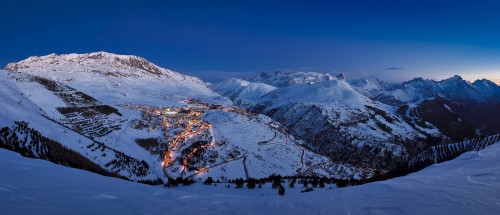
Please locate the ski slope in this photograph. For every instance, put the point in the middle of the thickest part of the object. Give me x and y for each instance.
(466, 185)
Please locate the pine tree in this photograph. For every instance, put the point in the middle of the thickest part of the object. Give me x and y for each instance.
(292, 183)
(276, 183)
(251, 183)
(209, 181)
(171, 183)
(179, 180)
(314, 183)
(281, 190)
(239, 183)
(321, 183)
(187, 181)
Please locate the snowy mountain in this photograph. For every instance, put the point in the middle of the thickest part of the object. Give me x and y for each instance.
(241, 92)
(411, 91)
(488, 89)
(472, 103)
(454, 88)
(368, 122)
(286, 78)
(255, 146)
(458, 89)
(128, 118)
(124, 117)
(338, 121)
(371, 88)
(27, 129)
(439, 115)
(115, 78)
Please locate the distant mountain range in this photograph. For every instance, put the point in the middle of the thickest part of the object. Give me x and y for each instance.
(370, 122)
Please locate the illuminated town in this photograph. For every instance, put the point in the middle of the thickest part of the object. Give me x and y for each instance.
(185, 134)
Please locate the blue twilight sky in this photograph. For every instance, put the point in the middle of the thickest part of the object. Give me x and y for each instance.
(217, 39)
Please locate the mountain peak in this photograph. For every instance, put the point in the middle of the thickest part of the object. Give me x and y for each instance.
(341, 76)
(454, 78)
(75, 57)
(95, 62)
(285, 78)
(485, 82)
(418, 79)
(457, 77)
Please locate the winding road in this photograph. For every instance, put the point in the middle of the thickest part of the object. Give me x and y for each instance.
(245, 166)
(215, 165)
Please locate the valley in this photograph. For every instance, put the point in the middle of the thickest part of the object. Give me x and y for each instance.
(302, 124)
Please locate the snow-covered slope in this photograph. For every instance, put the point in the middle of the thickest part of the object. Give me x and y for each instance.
(411, 91)
(369, 87)
(27, 128)
(474, 103)
(282, 79)
(336, 94)
(488, 89)
(458, 89)
(363, 120)
(466, 185)
(267, 149)
(454, 88)
(241, 92)
(100, 131)
(230, 88)
(116, 78)
(242, 145)
(336, 120)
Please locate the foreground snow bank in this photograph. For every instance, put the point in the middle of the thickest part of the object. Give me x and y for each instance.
(467, 185)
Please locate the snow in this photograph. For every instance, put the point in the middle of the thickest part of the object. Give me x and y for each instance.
(118, 79)
(281, 154)
(18, 107)
(464, 185)
(334, 93)
(369, 87)
(246, 134)
(467, 185)
(14, 105)
(287, 78)
(243, 93)
(487, 88)
(267, 149)
(339, 101)
(454, 88)
(447, 107)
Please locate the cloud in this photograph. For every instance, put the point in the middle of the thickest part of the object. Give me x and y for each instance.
(394, 68)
